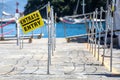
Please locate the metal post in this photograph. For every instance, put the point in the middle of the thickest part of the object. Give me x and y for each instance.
(112, 25)
(17, 15)
(92, 35)
(96, 12)
(88, 35)
(99, 45)
(90, 30)
(90, 38)
(49, 44)
(93, 31)
(100, 30)
(111, 48)
(55, 32)
(107, 4)
(2, 37)
(52, 31)
(32, 34)
(18, 34)
(105, 40)
(49, 51)
(83, 6)
(18, 28)
(21, 40)
(75, 12)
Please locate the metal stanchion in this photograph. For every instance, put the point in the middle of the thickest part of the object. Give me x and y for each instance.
(90, 36)
(2, 36)
(55, 32)
(18, 33)
(100, 30)
(21, 40)
(52, 30)
(96, 12)
(48, 17)
(105, 45)
(93, 30)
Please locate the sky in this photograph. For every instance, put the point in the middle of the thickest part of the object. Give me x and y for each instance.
(9, 6)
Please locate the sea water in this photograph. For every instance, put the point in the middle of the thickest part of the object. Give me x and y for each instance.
(62, 30)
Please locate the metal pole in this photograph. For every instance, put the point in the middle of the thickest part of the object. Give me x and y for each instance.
(83, 6)
(2, 37)
(93, 31)
(52, 31)
(22, 39)
(99, 46)
(91, 25)
(49, 51)
(100, 30)
(49, 44)
(90, 30)
(107, 4)
(17, 15)
(111, 48)
(88, 35)
(75, 12)
(55, 31)
(112, 25)
(32, 34)
(92, 36)
(18, 34)
(96, 12)
(105, 40)
(18, 28)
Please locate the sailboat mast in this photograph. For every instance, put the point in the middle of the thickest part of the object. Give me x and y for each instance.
(83, 7)
(75, 12)
(83, 4)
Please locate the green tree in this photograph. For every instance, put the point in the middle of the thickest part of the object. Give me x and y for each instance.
(64, 7)
(33, 5)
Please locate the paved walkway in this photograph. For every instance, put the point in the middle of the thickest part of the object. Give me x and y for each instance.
(107, 57)
(71, 61)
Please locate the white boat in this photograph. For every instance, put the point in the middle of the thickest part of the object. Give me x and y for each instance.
(4, 20)
(98, 20)
(77, 20)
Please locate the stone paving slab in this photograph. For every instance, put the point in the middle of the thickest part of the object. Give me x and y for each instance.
(115, 59)
(71, 61)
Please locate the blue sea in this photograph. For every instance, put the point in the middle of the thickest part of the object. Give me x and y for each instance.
(62, 30)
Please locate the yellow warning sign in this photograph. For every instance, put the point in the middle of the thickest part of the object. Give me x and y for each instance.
(31, 22)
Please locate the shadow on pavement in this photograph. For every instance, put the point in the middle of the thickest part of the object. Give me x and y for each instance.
(78, 40)
(107, 75)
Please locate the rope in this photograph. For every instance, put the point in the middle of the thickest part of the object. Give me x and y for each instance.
(7, 23)
(67, 21)
(42, 7)
(7, 32)
(80, 15)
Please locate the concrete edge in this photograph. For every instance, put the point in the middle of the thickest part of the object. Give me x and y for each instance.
(106, 62)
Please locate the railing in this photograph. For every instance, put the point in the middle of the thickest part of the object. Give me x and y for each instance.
(92, 39)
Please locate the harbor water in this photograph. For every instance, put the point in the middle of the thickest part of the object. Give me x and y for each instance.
(62, 30)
